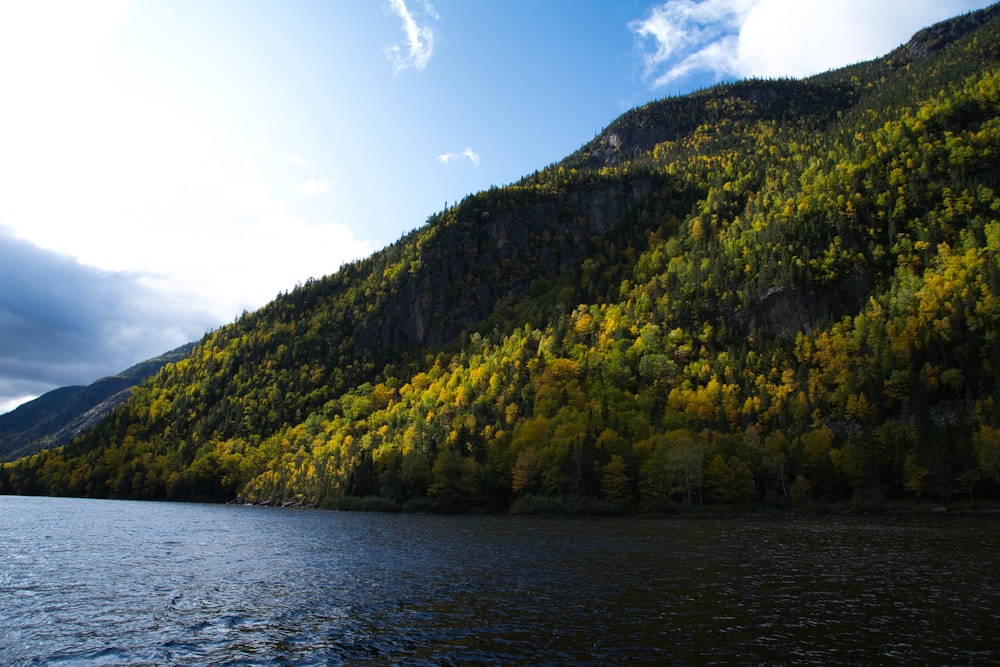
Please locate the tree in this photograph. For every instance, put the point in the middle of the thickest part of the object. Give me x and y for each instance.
(987, 443)
(654, 474)
(615, 482)
(915, 476)
(446, 476)
(455, 479)
(728, 480)
(526, 471)
(685, 461)
(801, 490)
(415, 473)
(775, 459)
(965, 482)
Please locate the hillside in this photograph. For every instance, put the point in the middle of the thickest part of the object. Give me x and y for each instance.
(766, 291)
(56, 417)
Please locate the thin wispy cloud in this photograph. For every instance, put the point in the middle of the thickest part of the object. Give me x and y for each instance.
(313, 186)
(418, 48)
(297, 160)
(681, 37)
(468, 154)
(679, 40)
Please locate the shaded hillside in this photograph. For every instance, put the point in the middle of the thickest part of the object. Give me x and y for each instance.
(779, 291)
(56, 417)
(940, 35)
(791, 102)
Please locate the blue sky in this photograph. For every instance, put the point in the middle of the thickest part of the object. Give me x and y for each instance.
(166, 164)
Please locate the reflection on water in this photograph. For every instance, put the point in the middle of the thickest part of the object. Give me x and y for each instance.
(124, 583)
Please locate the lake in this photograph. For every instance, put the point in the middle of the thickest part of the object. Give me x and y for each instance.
(93, 582)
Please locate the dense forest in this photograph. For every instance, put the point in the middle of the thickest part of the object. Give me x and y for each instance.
(778, 293)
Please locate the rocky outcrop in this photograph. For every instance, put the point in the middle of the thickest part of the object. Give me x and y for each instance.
(940, 35)
(785, 310)
(492, 250)
(781, 311)
(672, 119)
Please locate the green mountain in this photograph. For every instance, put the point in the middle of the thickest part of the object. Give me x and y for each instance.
(56, 417)
(768, 291)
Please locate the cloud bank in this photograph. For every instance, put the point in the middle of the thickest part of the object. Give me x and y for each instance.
(62, 323)
(130, 222)
(734, 39)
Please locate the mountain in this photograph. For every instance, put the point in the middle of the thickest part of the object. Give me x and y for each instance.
(771, 291)
(56, 417)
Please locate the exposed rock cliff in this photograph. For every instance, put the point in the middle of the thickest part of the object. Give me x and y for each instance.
(485, 254)
(939, 35)
(640, 130)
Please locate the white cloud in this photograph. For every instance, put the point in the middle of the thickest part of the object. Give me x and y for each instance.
(297, 160)
(419, 47)
(82, 31)
(688, 36)
(313, 186)
(726, 39)
(8, 404)
(467, 154)
(126, 176)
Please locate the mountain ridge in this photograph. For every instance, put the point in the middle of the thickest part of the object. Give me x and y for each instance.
(771, 291)
(56, 417)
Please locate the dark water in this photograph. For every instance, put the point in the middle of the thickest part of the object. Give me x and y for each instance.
(86, 582)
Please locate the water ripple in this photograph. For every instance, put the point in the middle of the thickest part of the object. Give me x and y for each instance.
(115, 583)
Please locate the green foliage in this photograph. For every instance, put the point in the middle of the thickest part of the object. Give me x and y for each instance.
(778, 291)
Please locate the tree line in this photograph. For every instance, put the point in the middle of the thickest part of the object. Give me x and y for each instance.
(802, 310)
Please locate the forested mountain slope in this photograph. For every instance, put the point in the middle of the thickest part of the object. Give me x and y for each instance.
(57, 416)
(780, 291)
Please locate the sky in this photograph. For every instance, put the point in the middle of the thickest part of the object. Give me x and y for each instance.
(167, 164)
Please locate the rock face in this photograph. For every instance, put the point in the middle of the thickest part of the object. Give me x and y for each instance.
(493, 247)
(485, 254)
(786, 310)
(936, 37)
(58, 416)
(640, 130)
(782, 311)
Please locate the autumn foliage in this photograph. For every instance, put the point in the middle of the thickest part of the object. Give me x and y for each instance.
(803, 306)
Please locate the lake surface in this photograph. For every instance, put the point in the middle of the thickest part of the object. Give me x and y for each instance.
(91, 582)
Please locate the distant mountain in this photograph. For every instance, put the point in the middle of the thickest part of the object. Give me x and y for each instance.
(770, 291)
(56, 417)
